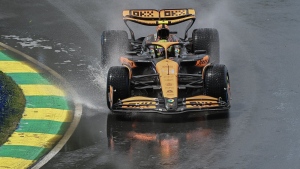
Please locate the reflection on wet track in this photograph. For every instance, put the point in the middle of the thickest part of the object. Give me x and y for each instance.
(147, 140)
(163, 140)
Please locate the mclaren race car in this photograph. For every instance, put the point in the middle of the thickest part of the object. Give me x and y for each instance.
(167, 77)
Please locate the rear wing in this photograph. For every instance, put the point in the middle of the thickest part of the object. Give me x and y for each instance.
(153, 17)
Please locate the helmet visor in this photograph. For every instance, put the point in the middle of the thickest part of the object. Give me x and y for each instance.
(163, 33)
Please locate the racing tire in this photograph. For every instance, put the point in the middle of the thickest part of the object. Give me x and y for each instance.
(207, 39)
(217, 83)
(114, 43)
(118, 78)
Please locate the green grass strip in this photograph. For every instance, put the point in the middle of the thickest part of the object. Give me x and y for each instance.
(25, 152)
(28, 78)
(57, 102)
(42, 126)
(4, 57)
(13, 106)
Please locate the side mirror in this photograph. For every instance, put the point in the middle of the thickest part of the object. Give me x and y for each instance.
(131, 52)
(198, 52)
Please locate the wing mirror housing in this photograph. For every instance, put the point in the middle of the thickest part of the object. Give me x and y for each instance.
(198, 52)
(131, 52)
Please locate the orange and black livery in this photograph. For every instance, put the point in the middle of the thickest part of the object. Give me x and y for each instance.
(165, 77)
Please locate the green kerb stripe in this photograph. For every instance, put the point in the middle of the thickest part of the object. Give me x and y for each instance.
(57, 102)
(25, 152)
(43, 126)
(4, 57)
(28, 78)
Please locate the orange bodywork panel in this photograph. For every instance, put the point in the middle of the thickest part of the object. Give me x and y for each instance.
(174, 13)
(110, 95)
(141, 98)
(164, 44)
(168, 75)
(127, 62)
(202, 101)
(139, 102)
(153, 16)
(141, 13)
(202, 62)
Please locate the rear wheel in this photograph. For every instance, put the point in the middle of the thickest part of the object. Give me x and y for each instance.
(216, 82)
(114, 43)
(118, 85)
(207, 39)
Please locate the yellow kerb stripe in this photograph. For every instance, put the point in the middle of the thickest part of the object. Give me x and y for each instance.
(15, 67)
(33, 139)
(47, 114)
(41, 90)
(9, 162)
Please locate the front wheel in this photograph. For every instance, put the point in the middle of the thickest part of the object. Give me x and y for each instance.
(217, 83)
(118, 85)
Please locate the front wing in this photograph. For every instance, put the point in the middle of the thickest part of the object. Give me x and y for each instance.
(142, 104)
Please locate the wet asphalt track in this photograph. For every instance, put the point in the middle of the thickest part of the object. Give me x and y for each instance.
(259, 44)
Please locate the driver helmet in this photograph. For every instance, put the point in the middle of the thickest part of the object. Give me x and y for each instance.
(163, 31)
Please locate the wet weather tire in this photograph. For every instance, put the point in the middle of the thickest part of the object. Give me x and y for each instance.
(216, 82)
(207, 39)
(114, 43)
(118, 79)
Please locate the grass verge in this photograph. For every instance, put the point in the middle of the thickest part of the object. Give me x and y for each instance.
(12, 106)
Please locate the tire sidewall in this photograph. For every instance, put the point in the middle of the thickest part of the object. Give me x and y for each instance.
(217, 82)
(118, 78)
(207, 39)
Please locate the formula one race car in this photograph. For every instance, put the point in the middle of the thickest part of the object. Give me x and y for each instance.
(167, 77)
